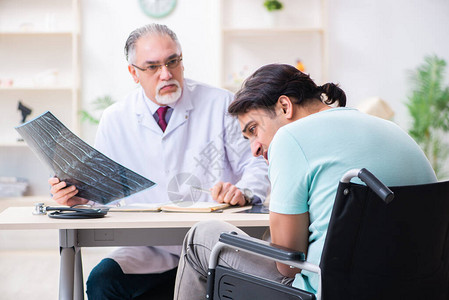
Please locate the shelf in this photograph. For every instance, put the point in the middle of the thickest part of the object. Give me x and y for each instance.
(298, 33)
(36, 88)
(268, 30)
(31, 32)
(13, 144)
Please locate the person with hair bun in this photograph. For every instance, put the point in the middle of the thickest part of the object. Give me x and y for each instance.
(310, 139)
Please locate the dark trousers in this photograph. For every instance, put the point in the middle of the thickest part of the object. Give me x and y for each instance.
(107, 281)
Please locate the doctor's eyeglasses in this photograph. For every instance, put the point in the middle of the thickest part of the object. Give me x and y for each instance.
(153, 68)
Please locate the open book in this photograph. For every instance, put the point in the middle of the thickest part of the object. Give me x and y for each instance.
(171, 207)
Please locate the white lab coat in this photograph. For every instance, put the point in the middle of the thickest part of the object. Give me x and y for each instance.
(201, 145)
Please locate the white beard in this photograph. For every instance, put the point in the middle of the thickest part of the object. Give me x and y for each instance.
(168, 98)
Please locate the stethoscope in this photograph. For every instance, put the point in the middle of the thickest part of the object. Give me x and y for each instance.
(69, 212)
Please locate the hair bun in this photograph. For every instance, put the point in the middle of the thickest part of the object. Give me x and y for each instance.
(334, 94)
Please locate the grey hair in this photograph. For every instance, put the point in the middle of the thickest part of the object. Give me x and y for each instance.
(150, 29)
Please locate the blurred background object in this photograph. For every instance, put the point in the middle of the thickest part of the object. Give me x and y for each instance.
(428, 105)
(12, 186)
(377, 107)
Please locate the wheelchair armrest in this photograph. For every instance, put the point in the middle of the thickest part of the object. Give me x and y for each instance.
(259, 247)
(274, 251)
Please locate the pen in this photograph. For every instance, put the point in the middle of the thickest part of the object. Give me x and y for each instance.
(200, 189)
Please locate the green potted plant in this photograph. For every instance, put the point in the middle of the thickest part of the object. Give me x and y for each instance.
(428, 105)
(274, 8)
(100, 104)
(273, 5)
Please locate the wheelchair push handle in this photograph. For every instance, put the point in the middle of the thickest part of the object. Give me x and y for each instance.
(372, 182)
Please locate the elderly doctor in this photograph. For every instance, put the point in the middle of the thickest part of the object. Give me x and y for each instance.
(176, 132)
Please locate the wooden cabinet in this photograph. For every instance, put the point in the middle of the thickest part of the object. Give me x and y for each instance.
(251, 37)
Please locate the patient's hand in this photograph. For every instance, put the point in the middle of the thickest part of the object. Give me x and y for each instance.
(63, 194)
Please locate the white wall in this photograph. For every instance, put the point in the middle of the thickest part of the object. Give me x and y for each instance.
(374, 44)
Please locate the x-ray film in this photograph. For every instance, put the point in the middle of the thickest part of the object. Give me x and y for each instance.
(97, 177)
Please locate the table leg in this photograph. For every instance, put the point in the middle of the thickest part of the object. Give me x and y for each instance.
(66, 273)
(79, 283)
(70, 273)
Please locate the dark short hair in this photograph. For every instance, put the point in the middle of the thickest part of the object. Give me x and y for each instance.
(263, 88)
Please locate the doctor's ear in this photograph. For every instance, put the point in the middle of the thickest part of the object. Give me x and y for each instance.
(132, 71)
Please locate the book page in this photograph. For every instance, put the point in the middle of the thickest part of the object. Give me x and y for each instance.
(194, 206)
(138, 207)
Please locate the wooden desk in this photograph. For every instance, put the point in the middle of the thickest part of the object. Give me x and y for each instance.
(118, 229)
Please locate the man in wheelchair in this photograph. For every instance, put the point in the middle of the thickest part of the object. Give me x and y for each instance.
(310, 139)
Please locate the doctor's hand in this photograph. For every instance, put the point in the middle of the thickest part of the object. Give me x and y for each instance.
(225, 192)
(63, 194)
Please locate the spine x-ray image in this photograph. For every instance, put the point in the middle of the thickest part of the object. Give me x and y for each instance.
(97, 177)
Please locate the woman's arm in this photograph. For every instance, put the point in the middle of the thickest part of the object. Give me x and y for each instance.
(291, 231)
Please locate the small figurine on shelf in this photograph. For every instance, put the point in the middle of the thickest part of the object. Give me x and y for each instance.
(6, 82)
(26, 111)
(300, 66)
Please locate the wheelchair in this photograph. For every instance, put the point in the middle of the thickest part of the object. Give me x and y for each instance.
(382, 243)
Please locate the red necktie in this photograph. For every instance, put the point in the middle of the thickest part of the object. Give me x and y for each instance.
(161, 111)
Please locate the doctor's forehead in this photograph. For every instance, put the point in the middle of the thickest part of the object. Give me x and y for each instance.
(157, 47)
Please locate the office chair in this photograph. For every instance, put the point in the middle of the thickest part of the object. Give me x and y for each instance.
(382, 243)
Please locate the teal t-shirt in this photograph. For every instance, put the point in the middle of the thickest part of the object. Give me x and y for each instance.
(308, 157)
